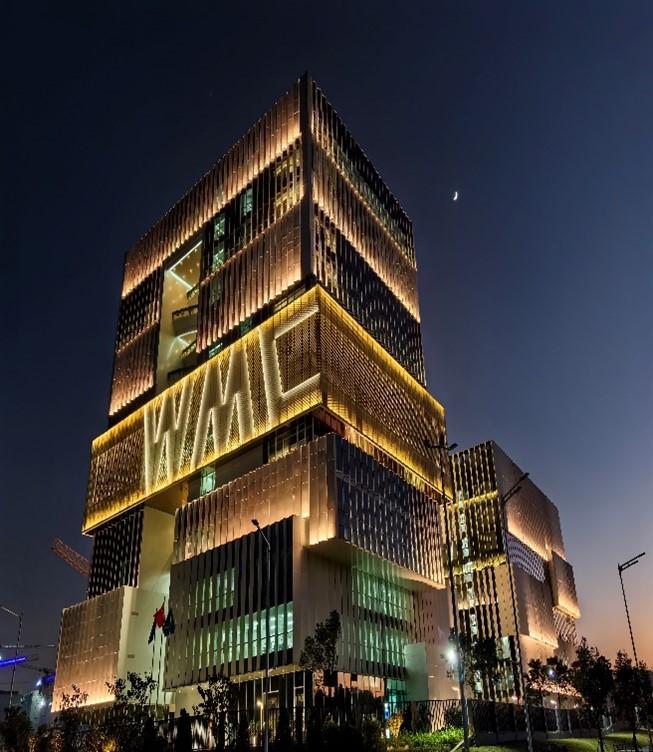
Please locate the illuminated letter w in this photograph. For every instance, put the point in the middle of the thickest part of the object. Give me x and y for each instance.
(170, 430)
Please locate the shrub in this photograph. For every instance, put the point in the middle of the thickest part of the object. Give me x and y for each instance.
(341, 738)
(372, 732)
(438, 741)
(453, 716)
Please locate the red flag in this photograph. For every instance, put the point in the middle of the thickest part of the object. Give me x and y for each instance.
(160, 617)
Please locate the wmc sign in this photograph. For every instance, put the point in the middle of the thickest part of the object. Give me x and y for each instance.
(264, 379)
(179, 439)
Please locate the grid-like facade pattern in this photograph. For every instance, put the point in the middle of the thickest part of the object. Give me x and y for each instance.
(258, 148)
(380, 513)
(219, 598)
(359, 289)
(542, 578)
(266, 145)
(294, 485)
(262, 271)
(335, 196)
(341, 492)
(268, 341)
(88, 639)
(333, 137)
(116, 554)
(311, 353)
(564, 586)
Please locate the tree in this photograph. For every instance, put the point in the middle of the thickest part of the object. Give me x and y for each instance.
(480, 661)
(632, 691)
(536, 681)
(69, 721)
(43, 740)
(15, 730)
(218, 698)
(559, 675)
(283, 741)
(184, 738)
(243, 734)
(372, 733)
(320, 654)
(126, 722)
(591, 677)
(549, 677)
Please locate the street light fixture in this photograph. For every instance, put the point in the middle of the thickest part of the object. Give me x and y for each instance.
(447, 449)
(18, 615)
(503, 500)
(621, 569)
(266, 694)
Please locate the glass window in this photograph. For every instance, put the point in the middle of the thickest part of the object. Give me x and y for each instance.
(215, 292)
(207, 480)
(219, 255)
(247, 202)
(219, 227)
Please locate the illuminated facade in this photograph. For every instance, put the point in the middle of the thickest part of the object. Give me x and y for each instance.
(268, 365)
(546, 605)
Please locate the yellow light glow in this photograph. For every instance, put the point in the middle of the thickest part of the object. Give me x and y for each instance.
(310, 353)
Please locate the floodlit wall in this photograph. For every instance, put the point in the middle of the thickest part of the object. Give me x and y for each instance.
(309, 354)
(103, 638)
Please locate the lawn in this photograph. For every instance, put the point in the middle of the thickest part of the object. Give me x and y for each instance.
(572, 745)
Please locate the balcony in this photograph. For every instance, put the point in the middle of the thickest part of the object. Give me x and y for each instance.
(184, 320)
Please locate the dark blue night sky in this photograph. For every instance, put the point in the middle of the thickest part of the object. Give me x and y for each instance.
(536, 285)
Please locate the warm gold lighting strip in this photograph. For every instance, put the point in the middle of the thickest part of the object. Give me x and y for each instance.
(310, 353)
(227, 402)
(261, 145)
(360, 227)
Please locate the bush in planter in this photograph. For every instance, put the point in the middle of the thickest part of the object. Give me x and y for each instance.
(341, 738)
(372, 732)
(438, 741)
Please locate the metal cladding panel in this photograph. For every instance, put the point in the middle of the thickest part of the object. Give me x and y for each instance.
(116, 553)
(134, 369)
(346, 209)
(259, 147)
(342, 493)
(104, 638)
(89, 646)
(293, 485)
(357, 287)
(333, 493)
(261, 272)
(331, 134)
(219, 601)
(563, 585)
(380, 513)
(535, 608)
(308, 354)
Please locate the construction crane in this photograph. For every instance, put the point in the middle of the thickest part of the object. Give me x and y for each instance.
(74, 559)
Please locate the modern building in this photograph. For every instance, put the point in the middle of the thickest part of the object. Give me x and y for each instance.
(545, 607)
(37, 703)
(268, 365)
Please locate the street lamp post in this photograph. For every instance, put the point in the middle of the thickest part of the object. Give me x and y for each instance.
(266, 731)
(18, 616)
(503, 500)
(444, 448)
(621, 569)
